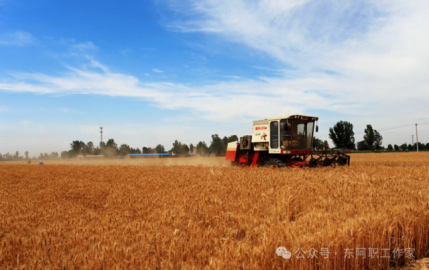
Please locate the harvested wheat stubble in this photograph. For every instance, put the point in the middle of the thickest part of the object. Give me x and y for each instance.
(196, 217)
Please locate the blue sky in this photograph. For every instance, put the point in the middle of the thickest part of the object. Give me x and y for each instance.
(152, 72)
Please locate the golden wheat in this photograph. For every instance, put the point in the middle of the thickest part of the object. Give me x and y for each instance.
(197, 217)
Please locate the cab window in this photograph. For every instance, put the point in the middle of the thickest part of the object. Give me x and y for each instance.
(274, 134)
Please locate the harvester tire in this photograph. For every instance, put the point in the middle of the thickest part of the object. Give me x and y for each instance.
(275, 163)
(342, 161)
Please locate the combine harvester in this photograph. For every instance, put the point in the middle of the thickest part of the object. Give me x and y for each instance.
(283, 141)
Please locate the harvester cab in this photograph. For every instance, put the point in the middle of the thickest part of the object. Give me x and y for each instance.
(283, 141)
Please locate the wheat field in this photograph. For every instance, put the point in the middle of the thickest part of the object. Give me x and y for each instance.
(174, 215)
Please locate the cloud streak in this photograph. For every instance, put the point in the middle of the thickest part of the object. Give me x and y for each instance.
(239, 99)
(366, 54)
(17, 38)
(157, 70)
(217, 101)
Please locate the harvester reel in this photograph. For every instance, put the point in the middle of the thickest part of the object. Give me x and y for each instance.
(342, 161)
(328, 161)
(328, 158)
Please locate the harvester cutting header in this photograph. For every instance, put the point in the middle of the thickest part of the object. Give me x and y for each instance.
(283, 141)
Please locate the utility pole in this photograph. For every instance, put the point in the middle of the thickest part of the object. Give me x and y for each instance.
(417, 139)
(101, 135)
(412, 140)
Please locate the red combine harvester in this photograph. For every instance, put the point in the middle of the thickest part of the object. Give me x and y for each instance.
(283, 141)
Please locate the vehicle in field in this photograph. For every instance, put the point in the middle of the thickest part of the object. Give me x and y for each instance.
(283, 141)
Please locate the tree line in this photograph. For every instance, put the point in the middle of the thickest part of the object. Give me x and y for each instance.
(17, 156)
(217, 146)
(342, 135)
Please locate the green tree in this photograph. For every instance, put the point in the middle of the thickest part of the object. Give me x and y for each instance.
(76, 147)
(179, 148)
(325, 144)
(410, 147)
(26, 154)
(232, 138)
(160, 149)
(191, 148)
(111, 143)
(185, 149)
(89, 148)
(110, 149)
(369, 136)
(135, 151)
(217, 146)
(378, 140)
(390, 147)
(317, 143)
(224, 145)
(96, 151)
(124, 149)
(373, 138)
(421, 146)
(148, 150)
(396, 147)
(363, 146)
(64, 154)
(342, 135)
(202, 149)
(404, 147)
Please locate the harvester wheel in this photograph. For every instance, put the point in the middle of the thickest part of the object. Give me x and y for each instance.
(312, 163)
(342, 161)
(275, 163)
(328, 162)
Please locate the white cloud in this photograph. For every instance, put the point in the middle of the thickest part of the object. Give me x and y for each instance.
(4, 109)
(84, 46)
(354, 57)
(17, 38)
(157, 70)
(311, 34)
(85, 49)
(238, 99)
(218, 101)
